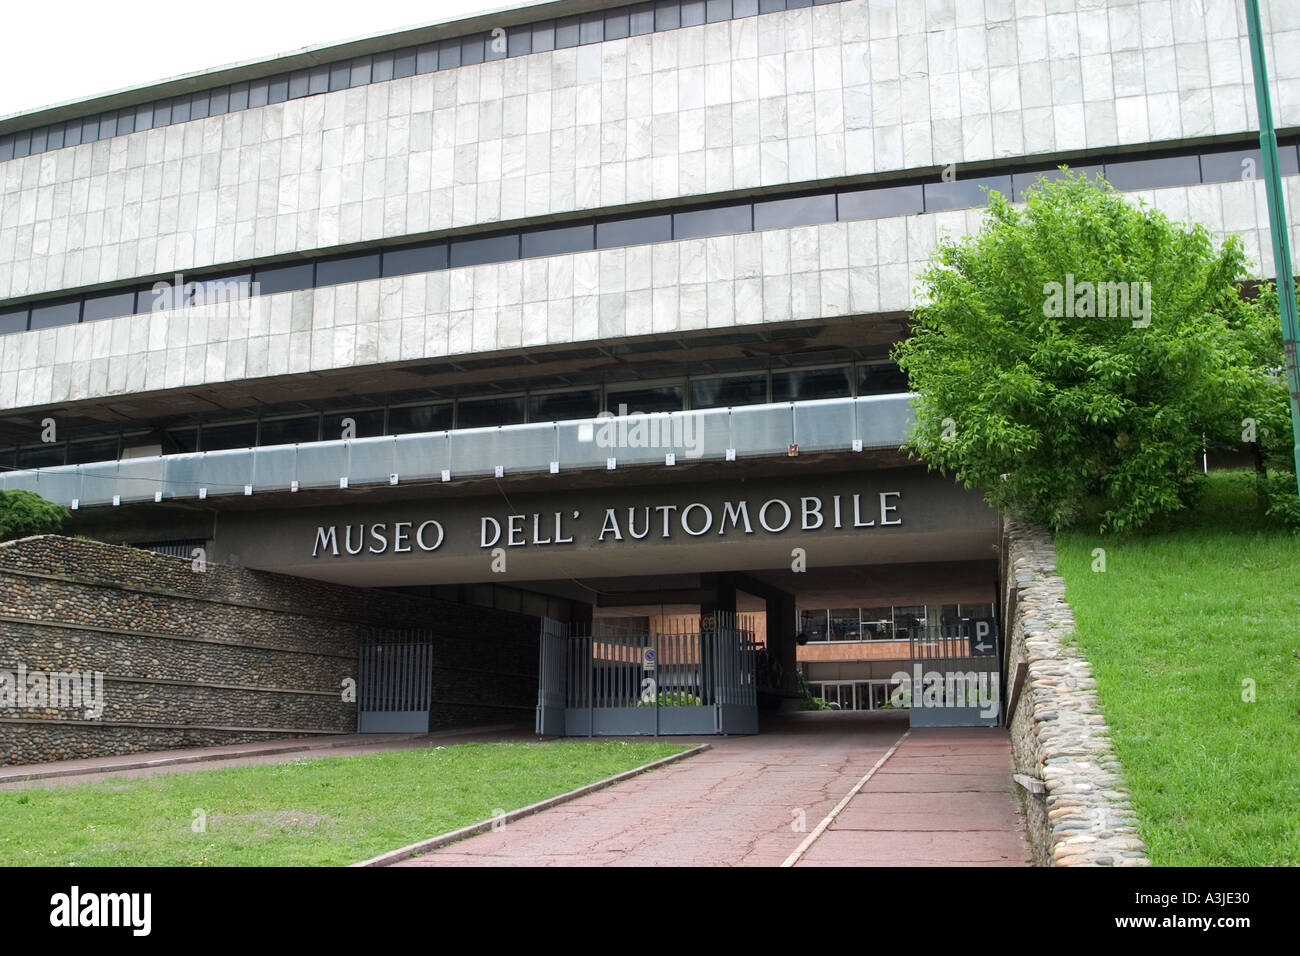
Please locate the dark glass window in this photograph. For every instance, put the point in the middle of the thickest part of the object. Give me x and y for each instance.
(566, 32)
(448, 54)
(199, 105)
(108, 306)
(179, 441)
(877, 623)
(1233, 164)
(553, 242)
(1022, 182)
(84, 452)
(564, 406)
(365, 424)
(641, 20)
(180, 110)
(382, 69)
(38, 140)
(519, 41)
(543, 36)
(963, 193)
(347, 269)
(13, 320)
(1153, 173)
(238, 96)
(812, 624)
(360, 71)
(722, 221)
(473, 252)
(241, 435)
(634, 231)
(796, 4)
(401, 262)
(659, 398)
(299, 84)
(782, 213)
(404, 63)
(219, 104)
(284, 278)
(72, 133)
(616, 24)
(6, 148)
(340, 76)
(48, 316)
(42, 456)
(90, 129)
(727, 392)
(808, 384)
(495, 47)
(692, 13)
(716, 10)
(257, 90)
(486, 412)
(108, 125)
(411, 419)
(318, 80)
(54, 138)
(880, 203)
(591, 28)
(744, 8)
(668, 15)
(23, 145)
(471, 50)
(148, 299)
(882, 378)
(289, 431)
(426, 58)
(846, 624)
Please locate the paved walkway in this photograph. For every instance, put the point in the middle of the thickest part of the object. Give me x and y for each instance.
(944, 797)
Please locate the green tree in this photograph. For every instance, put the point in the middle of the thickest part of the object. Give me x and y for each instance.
(23, 513)
(1067, 397)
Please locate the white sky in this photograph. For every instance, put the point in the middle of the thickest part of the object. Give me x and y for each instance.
(52, 51)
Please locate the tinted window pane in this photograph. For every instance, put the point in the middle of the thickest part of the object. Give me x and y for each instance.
(566, 32)
(38, 140)
(471, 50)
(780, 213)
(404, 63)
(299, 84)
(180, 111)
(726, 392)
(289, 431)
(284, 278)
(23, 145)
(47, 316)
(401, 262)
(90, 129)
(6, 148)
(770, 6)
(494, 47)
(633, 232)
(54, 138)
(238, 96)
(715, 10)
(1022, 182)
(257, 90)
(472, 252)
(796, 4)
(448, 54)
(242, 435)
(360, 71)
(642, 20)
(125, 123)
(591, 28)
(318, 80)
(662, 398)
(364, 424)
(41, 456)
(340, 76)
(177, 441)
(807, 384)
(1222, 167)
(520, 41)
(963, 193)
(692, 12)
(1153, 173)
(220, 102)
(616, 25)
(564, 406)
(668, 15)
(723, 221)
(744, 8)
(884, 378)
(812, 624)
(108, 306)
(880, 203)
(382, 69)
(543, 36)
(553, 242)
(347, 269)
(485, 412)
(426, 58)
(199, 103)
(102, 449)
(419, 418)
(71, 133)
(13, 320)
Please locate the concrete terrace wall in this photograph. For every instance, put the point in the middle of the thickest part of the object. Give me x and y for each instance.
(226, 655)
(1076, 805)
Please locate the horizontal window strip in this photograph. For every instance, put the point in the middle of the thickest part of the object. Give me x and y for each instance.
(497, 44)
(589, 232)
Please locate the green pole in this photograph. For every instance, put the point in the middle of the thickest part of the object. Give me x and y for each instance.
(1277, 224)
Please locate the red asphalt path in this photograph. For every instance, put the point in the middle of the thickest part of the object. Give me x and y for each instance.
(944, 797)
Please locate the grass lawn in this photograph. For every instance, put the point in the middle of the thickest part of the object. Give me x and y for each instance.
(324, 811)
(1181, 618)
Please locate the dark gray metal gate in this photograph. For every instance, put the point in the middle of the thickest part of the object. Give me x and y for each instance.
(394, 686)
(954, 680)
(693, 680)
